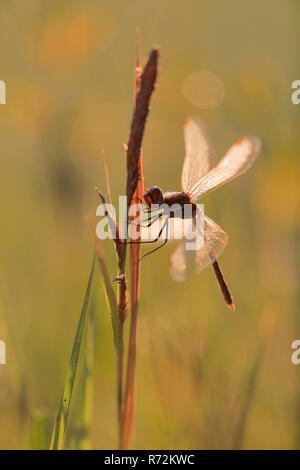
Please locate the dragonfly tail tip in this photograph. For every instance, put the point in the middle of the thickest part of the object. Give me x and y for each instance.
(232, 306)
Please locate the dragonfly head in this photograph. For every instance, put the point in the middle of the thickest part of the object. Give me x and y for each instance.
(153, 195)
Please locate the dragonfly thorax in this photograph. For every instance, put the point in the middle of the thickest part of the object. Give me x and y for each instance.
(179, 198)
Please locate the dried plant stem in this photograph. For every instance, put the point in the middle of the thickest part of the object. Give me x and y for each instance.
(135, 271)
(144, 86)
(106, 177)
(122, 301)
(138, 122)
(118, 332)
(122, 308)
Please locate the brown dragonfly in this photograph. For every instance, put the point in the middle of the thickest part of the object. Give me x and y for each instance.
(197, 180)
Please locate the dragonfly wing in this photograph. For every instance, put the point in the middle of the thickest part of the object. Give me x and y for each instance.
(197, 152)
(238, 159)
(184, 263)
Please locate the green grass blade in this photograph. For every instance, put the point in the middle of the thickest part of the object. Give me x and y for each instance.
(86, 399)
(64, 407)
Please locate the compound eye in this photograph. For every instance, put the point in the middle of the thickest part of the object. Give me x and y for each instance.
(156, 195)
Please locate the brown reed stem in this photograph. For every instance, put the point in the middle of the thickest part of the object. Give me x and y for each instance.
(138, 122)
(144, 86)
(122, 309)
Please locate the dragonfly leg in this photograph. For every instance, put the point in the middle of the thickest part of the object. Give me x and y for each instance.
(163, 244)
(137, 242)
(155, 218)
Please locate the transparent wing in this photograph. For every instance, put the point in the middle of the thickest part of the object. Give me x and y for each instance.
(236, 161)
(184, 263)
(197, 152)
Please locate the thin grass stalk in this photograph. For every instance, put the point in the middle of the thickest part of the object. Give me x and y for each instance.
(109, 292)
(60, 427)
(86, 403)
(144, 86)
(107, 181)
(122, 310)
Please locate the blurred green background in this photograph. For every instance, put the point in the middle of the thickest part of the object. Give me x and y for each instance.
(206, 377)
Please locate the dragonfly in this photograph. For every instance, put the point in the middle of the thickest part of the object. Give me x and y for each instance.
(197, 180)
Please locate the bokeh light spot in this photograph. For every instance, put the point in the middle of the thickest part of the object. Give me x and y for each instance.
(203, 89)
